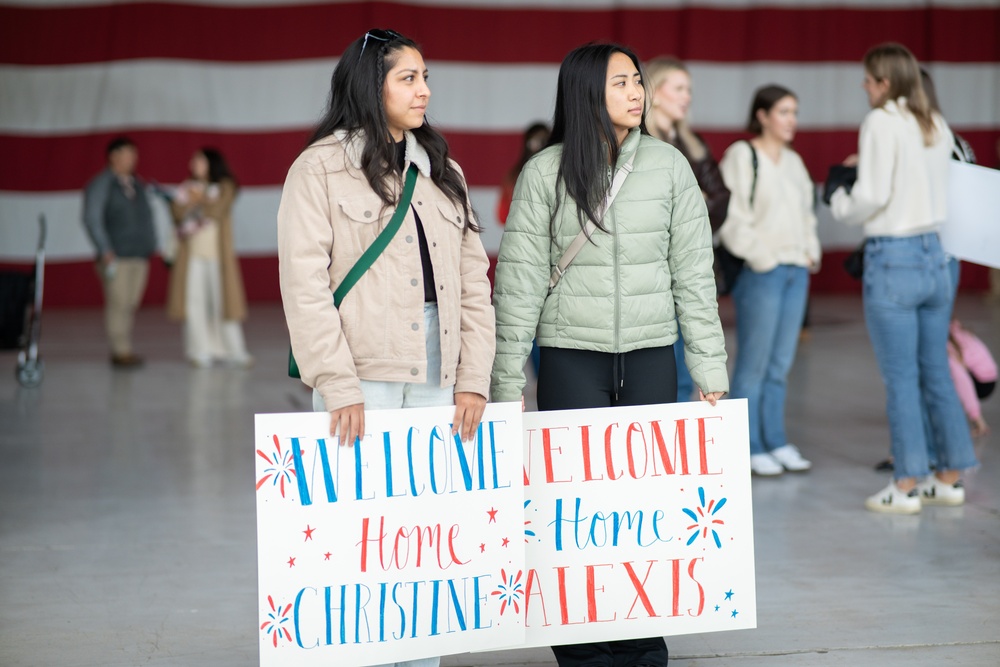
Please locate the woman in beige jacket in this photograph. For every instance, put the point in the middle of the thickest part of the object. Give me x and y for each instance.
(206, 286)
(417, 330)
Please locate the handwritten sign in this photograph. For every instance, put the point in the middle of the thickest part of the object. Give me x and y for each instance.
(971, 231)
(638, 523)
(405, 546)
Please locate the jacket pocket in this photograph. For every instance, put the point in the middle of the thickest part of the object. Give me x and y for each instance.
(363, 210)
(448, 211)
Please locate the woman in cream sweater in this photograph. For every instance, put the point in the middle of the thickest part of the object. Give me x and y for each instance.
(772, 227)
(904, 151)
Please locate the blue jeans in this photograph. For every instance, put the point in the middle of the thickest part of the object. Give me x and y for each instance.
(933, 440)
(908, 298)
(685, 383)
(769, 311)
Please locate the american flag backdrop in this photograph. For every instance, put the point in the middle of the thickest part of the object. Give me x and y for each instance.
(251, 77)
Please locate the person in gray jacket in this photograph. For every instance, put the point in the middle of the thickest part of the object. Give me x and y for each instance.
(119, 222)
(607, 324)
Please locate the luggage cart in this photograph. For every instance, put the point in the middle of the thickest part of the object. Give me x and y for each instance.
(21, 312)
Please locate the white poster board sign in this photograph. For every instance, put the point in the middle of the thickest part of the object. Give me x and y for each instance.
(401, 548)
(972, 231)
(638, 522)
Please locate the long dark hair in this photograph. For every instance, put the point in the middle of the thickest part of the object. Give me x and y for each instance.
(218, 168)
(582, 125)
(527, 150)
(764, 100)
(357, 105)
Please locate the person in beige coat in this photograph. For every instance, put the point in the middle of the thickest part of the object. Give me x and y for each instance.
(417, 329)
(206, 286)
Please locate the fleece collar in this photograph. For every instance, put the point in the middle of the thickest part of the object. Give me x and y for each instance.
(415, 153)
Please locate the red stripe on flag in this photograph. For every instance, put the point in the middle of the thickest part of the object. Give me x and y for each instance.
(47, 164)
(75, 284)
(101, 33)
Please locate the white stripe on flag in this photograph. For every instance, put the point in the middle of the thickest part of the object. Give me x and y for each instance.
(475, 98)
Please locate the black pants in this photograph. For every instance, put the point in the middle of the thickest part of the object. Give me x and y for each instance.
(573, 379)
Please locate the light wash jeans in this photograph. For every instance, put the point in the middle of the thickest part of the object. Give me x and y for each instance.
(392, 395)
(933, 439)
(769, 311)
(908, 297)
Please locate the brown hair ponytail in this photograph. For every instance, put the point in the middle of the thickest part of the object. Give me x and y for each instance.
(895, 64)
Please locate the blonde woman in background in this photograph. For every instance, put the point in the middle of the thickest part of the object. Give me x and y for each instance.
(669, 102)
(904, 150)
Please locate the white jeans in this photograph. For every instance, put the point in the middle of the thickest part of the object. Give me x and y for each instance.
(206, 335)
(391, 395)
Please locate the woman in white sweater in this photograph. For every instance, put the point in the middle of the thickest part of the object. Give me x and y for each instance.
(899, 197)
(772, 227)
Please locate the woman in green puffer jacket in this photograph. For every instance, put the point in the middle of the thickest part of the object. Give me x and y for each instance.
(606, 326)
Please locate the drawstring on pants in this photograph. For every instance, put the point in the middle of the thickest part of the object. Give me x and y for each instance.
(618, 373)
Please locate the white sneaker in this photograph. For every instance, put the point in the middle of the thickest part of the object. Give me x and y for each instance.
(765, 465)
(789, 457)
(935, 492)
(893, 500)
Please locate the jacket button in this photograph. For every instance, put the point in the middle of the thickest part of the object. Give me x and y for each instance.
(368, 214)
(445, 332)
(414, 371)
(414, 282)
(458, 219)
(445, 377)
(420, 203)
(409, 239)
(415, 326)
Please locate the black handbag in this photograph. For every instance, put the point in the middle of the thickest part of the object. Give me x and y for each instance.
(728, 265)
(855, 262)
(839, 176)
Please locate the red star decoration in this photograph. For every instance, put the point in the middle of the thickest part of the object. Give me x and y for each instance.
(327, 555)
(309, 533)
(505, 542)
(482, 548)
(291, 561)
(493, 514)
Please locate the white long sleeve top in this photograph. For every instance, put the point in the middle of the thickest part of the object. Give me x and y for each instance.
(902, 184)
(780, 226)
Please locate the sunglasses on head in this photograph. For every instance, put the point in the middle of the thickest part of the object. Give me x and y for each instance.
(380, 35)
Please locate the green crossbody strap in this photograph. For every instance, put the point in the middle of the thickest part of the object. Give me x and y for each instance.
(381, 242)
(370, 255)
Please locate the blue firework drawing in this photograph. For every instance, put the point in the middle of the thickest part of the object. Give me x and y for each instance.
(528, 532)
(704, 518)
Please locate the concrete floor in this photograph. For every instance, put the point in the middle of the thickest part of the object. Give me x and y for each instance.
(127, 527)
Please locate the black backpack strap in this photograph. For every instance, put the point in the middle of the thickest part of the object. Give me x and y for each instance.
(753, 161)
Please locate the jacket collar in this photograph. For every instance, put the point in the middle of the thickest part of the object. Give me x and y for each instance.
(629, 146)
(415, 153)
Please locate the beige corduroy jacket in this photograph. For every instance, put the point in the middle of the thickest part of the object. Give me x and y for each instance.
(328, 216)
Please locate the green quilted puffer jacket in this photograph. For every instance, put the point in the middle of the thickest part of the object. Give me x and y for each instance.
(627, 288)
